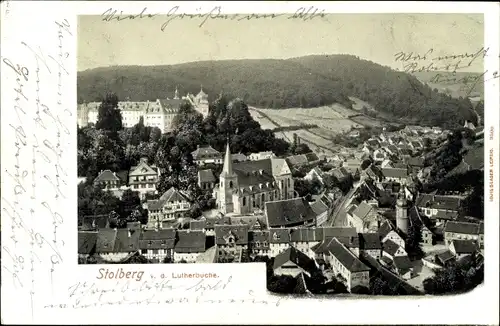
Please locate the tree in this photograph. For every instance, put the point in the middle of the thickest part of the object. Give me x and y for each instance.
(413, 240)
(109, 117)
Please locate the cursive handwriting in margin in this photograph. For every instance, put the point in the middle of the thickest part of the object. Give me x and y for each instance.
(447, 67)
(37, 173)
(155, 292)
(203, 16)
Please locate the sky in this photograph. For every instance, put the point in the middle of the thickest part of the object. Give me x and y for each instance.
(375, 37)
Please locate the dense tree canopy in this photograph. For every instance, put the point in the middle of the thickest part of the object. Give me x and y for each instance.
(300, 82)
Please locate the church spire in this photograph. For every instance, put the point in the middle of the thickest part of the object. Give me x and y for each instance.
(176, 95)
(228, 162)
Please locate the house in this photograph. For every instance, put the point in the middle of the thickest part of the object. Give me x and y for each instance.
(344, 263)
(455, 230)
(304, 239)
(173, 204)
(289, 213)
(379, 155)
(258, 243)
(391, 150)
(206, 179)
(198, 225)
(315, 174)
(345, 235)
(87, 241)
(387, 231)
(340, 173)
(370, 244)
(396, 175)
(292, 262)
(437, 207)
(231, 241)
(238, 157)
(320, 209)
(144, 178)
(427, 234)
(416, 164)
(279, 240)
(462, 248)
(352, 165)
(372, 172)
(261, 155)
(392, 249)
(108, 180)
(372, 143)
(444, 258)
(363, 217)
(188, 246)
(403, 267)
(206, 155)
(157, 245)
(116, 245)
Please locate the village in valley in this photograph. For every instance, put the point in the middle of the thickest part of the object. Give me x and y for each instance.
(396, 213)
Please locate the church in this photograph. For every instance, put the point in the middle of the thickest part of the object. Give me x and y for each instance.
(245, 187)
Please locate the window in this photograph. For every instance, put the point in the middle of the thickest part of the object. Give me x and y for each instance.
(155, 251)
(289, 182)
(244, 201)
(263, 198)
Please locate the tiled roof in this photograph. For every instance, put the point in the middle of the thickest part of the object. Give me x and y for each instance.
(311, 157)
(297, 160)
(362, 210)
(402, 263)
(416, 161)
(127, 240)
(106, 175)
(385, 228)
(391, 247)
(87, 241)
(170, 104)
(446, 215)
(394, 173)
(205, 152)
(171, 195)
(106, 240)
(190, 241)
(465, 246)
(288, 212)
(197, 224)
(369, 241)
(445, 256)
(206, 176)
(295, 256)
(463, 227)
(279, 235)
(306, 235)
(340, 173)
(224, 232)
(161, 239)
(341, 233)
(346, 258)
(319, 207)
(258, 236)
(438, 202)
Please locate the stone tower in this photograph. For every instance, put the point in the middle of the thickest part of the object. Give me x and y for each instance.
(402, 213)
(228, 183)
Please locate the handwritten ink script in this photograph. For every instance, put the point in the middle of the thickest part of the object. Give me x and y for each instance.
(34, 152)
(159, 291)
(447, 67)
(203, 16)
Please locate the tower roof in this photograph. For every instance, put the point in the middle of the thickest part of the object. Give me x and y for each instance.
(228, 162)
(202, 94)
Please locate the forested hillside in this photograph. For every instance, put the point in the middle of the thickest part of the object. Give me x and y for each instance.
(300, 82)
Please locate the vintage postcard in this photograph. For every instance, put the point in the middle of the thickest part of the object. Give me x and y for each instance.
(251, 162)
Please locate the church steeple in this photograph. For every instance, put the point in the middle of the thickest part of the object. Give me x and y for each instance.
(228, 162)
(176, 95)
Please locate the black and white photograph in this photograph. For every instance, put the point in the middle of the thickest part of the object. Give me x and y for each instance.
(343, 151)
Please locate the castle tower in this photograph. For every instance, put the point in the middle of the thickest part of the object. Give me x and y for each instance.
(228, 183)
(402, 213)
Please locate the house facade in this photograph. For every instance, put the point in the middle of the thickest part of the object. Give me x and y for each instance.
(173, 204)
(143, 178)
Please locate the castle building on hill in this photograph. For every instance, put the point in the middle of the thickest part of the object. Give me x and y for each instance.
(159, 113)
(245, 187)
